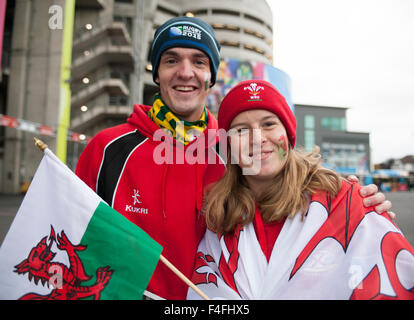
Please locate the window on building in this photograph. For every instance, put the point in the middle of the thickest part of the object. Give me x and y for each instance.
(126, 20)
(258, 20)
(118, 100)
(227, 27)
(230, 44)
(333, 123)
(226, 12)
(309, 121)
(309, 138)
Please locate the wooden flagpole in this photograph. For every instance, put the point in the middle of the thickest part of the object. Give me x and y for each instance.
(179, 274)
(42, 146)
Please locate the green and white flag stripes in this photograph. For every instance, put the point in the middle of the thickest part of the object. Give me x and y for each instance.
(66, 243)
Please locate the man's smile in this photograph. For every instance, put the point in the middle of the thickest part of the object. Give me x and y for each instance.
(185, 88)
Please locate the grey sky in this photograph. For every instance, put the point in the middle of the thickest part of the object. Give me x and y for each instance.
(357, 54)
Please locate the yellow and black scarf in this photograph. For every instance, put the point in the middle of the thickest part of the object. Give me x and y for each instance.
(182, 131)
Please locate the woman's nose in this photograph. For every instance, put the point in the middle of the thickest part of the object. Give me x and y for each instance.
(257, 137)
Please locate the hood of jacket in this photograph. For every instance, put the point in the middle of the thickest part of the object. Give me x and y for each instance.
(139, 118)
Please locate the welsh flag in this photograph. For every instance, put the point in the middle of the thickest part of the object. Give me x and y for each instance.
(66, 243)
(339, 250)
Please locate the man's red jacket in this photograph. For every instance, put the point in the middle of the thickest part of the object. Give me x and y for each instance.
(158, 185)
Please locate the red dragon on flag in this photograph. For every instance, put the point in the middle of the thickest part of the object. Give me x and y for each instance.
(66, 281)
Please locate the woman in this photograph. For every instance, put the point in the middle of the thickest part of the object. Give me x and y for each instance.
(281, 226)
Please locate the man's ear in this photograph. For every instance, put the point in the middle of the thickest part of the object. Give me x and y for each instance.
(157, 80)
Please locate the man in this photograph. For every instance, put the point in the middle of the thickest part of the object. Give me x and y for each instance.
(151, 178)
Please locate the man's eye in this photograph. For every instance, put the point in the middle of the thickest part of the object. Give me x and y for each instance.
(169, 60)
(201, 62)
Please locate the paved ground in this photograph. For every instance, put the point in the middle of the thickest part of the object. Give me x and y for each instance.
(403, 206)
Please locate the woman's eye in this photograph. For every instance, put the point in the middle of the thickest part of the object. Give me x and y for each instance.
(238, 132)
(270, 124)
(242, 131)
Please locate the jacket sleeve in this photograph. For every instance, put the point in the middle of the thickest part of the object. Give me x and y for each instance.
(89, 163)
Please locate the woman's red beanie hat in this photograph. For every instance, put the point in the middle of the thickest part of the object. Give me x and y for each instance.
(256, 94)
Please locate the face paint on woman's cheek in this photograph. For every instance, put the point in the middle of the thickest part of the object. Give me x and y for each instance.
(283, 147)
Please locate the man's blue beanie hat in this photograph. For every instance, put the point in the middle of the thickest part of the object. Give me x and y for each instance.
(186, 32)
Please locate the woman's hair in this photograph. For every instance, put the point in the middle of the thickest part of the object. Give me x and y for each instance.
(230, 201)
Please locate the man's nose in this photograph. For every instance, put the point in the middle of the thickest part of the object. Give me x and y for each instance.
(186, 69)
